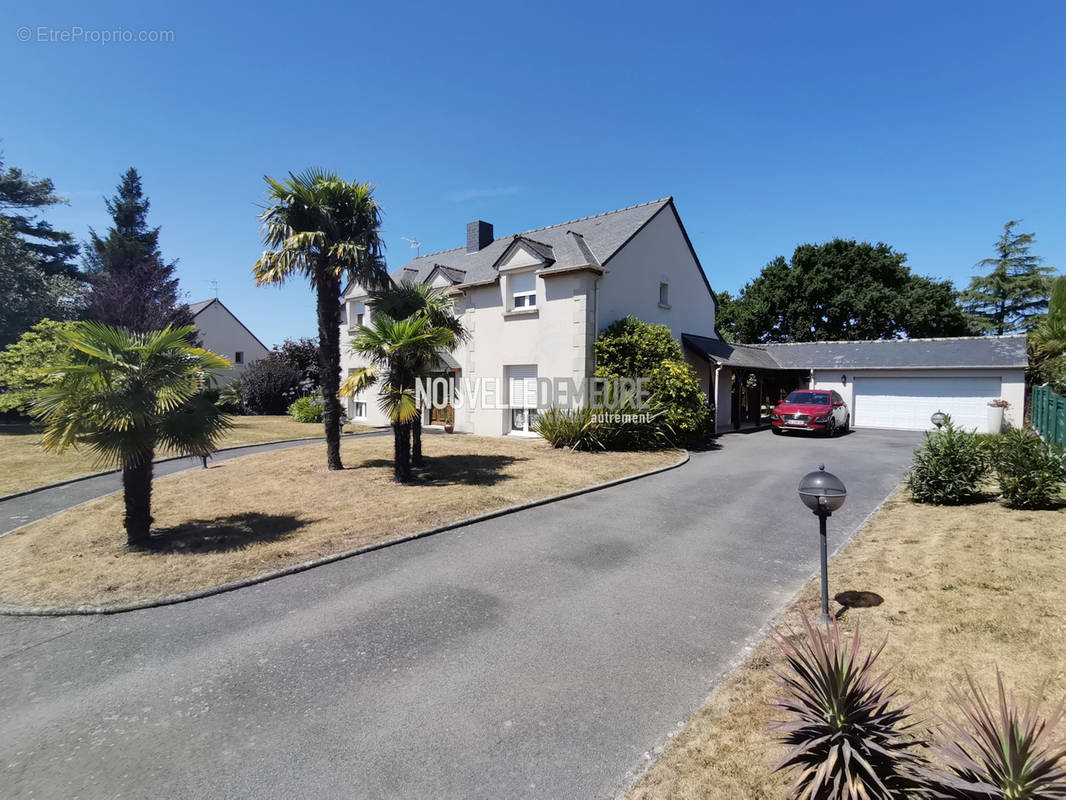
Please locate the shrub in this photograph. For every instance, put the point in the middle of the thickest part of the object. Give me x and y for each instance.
(582, 428)
(23, 364)
(848, 735)
(230, 397)
(949, 467)
(1030, 471)
(676, 395)
(306, 409)
(997, 752)
(629, 348)
(269, 386)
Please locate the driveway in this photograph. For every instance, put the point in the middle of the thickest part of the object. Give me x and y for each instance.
(543, 654)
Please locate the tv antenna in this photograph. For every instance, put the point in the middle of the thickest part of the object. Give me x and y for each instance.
(415, 245)
(214, 287)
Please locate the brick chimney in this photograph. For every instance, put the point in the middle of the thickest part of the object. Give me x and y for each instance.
(478, 235)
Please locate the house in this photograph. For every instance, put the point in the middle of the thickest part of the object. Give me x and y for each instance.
(221, 332)
(895, 383)
(534, 303)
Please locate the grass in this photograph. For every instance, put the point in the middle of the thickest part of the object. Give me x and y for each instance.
(965, 588)
(24, 465)
(250, 515)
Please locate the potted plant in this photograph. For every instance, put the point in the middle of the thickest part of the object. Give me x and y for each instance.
(995, 415)
(449, 420)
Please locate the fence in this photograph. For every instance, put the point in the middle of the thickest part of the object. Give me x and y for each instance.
(1049, 414)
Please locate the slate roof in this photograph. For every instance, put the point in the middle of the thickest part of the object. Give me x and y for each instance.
(969, 351)
(196, 308)
(731, 355)
(570, 244)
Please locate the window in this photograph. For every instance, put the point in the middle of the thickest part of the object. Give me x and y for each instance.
(359, 410)
(359, 318)
(664, 295)
(238, 357)
(523, 291)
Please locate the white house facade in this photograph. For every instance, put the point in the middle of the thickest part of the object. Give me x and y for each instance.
(221, 332)
(535, 302)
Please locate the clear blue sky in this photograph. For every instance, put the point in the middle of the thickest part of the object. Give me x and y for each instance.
(925, 125)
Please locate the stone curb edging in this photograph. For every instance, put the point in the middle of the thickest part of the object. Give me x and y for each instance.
(64, 611)
(68, 481)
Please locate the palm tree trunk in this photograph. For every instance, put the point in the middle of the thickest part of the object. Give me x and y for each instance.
(416, 440)
(401, 451)
(137, 494)
(329, 362)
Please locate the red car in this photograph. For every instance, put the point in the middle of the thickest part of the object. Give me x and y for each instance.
(812, 410)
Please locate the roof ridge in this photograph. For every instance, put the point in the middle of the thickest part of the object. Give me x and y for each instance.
(555, 225)
(892, 341)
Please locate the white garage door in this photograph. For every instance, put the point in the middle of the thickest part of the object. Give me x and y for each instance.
(907, 403)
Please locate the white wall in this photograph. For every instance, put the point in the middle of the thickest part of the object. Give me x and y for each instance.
(221, 333)
(1012, 384)
(657, 254)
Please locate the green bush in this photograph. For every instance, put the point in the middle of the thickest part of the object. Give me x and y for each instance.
(230, 397)
(1030, 471)
(676, 396)
(949, 467)
(24, 364)
(589, 428)
(631, 348)
(268, 386)
(306, 409)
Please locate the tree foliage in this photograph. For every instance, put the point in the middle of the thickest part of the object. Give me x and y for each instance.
(132, 286)
(25, 365)
(303, 355)
(840, 290)
(1010, 298)
(21, 196)
(269, 385)
(1047, 341)
(27, 293)
(123, 395)
(326, 230)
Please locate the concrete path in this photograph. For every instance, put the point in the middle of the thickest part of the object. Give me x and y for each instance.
(18, 511)
(537, 655)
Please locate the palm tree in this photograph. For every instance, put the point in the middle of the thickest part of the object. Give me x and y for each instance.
(405, 300)
(398, 350)
(124, 394)
(327, 230)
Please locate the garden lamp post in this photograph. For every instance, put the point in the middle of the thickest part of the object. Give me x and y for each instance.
(938, 418)
(823, 493)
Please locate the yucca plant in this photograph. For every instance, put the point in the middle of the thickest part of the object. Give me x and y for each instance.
(998, 753)
(849, 737)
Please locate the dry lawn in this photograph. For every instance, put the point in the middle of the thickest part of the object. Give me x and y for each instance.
(965, 589)
(24, 465)
(251, 515)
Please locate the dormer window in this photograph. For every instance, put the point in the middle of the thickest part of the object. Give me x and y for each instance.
(523, 291)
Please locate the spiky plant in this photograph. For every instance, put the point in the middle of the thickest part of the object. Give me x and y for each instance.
(998, 753)
(848, 735)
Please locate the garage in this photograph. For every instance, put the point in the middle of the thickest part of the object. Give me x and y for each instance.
(899, 383)
(906, 403)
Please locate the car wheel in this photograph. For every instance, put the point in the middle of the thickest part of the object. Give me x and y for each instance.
(847, 423)
(831, 428)
(777, 431)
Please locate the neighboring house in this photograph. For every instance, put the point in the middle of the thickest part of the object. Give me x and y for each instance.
(221, 332)
(894, 384)
(534, 303)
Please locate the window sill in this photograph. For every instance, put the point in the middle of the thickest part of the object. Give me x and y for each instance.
(664, 305)
(521, 312)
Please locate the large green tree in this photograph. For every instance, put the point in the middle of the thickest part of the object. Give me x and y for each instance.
(22, 195)
(1014, 293)
(1047, 341)
(27, 293)
(133, 287)
(841, 290)
(326, 230)
(123, 395)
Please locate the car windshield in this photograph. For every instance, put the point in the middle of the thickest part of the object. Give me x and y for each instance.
(809, 398)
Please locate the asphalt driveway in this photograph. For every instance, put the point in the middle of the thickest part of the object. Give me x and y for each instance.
(541, 654)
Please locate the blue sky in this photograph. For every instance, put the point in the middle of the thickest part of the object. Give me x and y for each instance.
(924, 125)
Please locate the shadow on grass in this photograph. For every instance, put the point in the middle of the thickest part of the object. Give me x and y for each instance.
(465, 470)
(225, 534)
